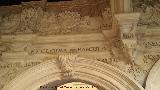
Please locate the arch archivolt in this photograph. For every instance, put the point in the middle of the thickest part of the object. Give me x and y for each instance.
(72, 68)
(153, 79)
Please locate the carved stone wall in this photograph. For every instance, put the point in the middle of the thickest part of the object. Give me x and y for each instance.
(83, 7)
(150, 10)
(37, 35)
(34, 20)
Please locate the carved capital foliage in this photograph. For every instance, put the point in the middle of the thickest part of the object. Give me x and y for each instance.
(66, 63)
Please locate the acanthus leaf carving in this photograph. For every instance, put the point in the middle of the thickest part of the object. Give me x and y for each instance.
(66, 64)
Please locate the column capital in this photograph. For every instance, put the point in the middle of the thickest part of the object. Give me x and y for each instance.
(127, 21)
(127, 18)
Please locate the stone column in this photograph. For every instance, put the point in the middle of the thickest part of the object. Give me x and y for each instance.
(121, 6)
(127, 6)
(117, 6)
(128, 25)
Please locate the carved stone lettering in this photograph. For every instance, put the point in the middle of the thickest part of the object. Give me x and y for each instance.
(67, 50)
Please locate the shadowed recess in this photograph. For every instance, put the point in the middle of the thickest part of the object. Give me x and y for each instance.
(16, 2)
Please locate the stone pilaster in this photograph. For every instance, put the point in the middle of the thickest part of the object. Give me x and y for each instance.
(128, 25)
(121, 6)
(127, 6)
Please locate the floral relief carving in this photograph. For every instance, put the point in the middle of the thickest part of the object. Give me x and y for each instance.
(68, 22)
(35, 20)
(30, 20)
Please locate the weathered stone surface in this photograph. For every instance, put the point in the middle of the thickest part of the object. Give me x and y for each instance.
(100, 70)
(150, 12)
(35, 18)
(38, 36)
(153, 78)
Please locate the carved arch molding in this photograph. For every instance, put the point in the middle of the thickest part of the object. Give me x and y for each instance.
(67, 69)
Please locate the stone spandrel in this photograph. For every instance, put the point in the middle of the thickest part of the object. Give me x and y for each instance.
(148, 48)
(149, 39)
(132, 39)
(11, 70)
(152, 45)
(148, 60)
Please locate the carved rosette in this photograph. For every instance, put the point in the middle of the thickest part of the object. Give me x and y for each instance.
(66, 63)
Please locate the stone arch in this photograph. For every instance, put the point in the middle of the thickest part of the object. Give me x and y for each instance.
(71, 68)
(153, 80)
